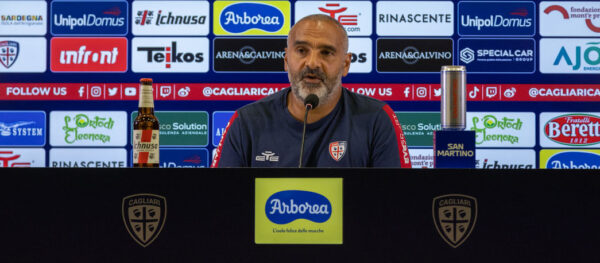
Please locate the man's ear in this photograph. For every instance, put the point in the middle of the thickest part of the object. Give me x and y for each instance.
(285, 60)
(347, 62)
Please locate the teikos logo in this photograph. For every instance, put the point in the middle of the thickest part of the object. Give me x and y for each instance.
(249, 54)
(169, 54)
(88, 128)
(251, 18)
(502, 129)
(413, 55)
(362, 54)
(88, 54)
(570, 18)
(144, 216)
(89, 17)
(298, 211)
(454, 217)
(355, 16)
(573, 129)
(496, 18)
(575, 159)
(23, 18)
(22, 54)
(497, 55)
(22, 128)
(570, 55)
(88, 158)
(415, 18)
(19, 157)
(182, 18)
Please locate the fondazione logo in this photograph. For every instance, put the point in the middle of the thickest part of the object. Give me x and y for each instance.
(251, 18)
(570, 159)
(574, 129)
(298, 211)
(454, 217)
(144, 216)
(88, 54)
(89, 17)
(570, 18)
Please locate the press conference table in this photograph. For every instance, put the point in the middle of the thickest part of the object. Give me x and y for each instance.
(74, 215)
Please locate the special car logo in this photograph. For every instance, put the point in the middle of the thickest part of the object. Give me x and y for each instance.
(9, 51)
(337, 150)
(144, 216)
(454, 217)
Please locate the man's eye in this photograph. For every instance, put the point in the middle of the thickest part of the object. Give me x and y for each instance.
(327, 52)
(301, 50)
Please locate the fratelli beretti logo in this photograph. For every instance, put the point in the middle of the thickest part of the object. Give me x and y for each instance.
(454, 217)
(144, 216)
(252, 18)
(298, 211)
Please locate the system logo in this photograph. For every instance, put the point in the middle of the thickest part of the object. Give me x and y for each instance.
(144, 216)
(249, 54)
(9, 52)
(88, 128)
(89, 17)
(107, 54)
(251, 18)
(502, 129)
(22, 128)
(496, 18)
(570, 55)
(18, 157)
(22, 54)
(570, 18)
(287, 206)
(183, 158)
(415, 18)
(574, 129)
(23, 18)
(413, 55)
(88, 158)
(454, 217)
(497, 55)
(557, 159)
(169, 54)
(355, 16)
(170, 18)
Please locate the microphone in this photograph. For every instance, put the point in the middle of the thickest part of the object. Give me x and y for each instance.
(310, 102)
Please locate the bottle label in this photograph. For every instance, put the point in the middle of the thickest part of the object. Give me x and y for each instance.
(145, 146)
(146, 99)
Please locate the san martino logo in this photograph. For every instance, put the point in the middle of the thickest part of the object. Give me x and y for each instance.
(574, 129)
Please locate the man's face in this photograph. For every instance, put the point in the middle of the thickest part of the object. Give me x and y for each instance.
(316, 59)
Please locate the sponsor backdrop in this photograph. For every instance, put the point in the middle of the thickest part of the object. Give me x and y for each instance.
(69, 74)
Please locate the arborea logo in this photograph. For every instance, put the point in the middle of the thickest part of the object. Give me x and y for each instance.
(286, 206)
(251, 18)
(91, 54)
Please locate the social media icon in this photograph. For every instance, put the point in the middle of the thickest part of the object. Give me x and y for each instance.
(165, 91)
(491, 91)
(421, 92)
(113, 91)
(96, 91)
(184, 92)
(406, 92)
(437, 92)
(81, 91)
(473, 94)
(509, 93)
(130, 91)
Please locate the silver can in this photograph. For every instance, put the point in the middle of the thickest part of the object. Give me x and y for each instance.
(454, 100)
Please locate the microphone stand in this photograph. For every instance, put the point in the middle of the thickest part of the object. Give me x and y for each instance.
(308, 108)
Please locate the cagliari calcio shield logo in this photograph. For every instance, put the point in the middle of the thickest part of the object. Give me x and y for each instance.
(144, 216)
(454, 216)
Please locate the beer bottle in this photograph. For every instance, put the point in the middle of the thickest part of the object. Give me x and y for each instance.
(145, 129)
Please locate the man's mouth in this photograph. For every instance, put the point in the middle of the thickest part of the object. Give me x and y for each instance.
(311, 78)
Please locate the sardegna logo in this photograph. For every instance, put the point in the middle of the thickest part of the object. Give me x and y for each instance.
(251, 18)
(574, 129)
(287, 206)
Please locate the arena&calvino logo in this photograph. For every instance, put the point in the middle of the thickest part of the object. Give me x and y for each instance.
(249, 54)
(413, 55)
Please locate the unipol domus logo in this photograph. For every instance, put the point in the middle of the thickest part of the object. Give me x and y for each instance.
(144, 216)
(574, 129)
(240, 17)
(574, 160)
(454, 217)
(287, 206)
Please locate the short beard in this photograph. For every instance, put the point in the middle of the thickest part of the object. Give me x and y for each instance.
(323, 90)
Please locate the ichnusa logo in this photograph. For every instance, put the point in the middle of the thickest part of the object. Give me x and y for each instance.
(251, 18)
(564, 159)
(298, 211)
(88, 54)
(570, 55)
(89, 18)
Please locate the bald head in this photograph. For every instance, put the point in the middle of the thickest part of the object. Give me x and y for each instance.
(340, 31)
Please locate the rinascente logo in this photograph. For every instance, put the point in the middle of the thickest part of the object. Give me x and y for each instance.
(88, 158)
(169, 18)
(251, 18)
(413, 55)
(22, 54)
(89, 17)
(362, 56)
(88, 54)
(88, 128)
(481, 55)
(249, 54)
(415, 18)
(169, 54)
(570, 55)
(496, 18)
(23, 18)
(20, 157)
(570, 130)
(570, 18)
(22, 128)
(355, 16)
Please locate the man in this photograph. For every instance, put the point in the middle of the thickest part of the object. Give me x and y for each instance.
(344, 129)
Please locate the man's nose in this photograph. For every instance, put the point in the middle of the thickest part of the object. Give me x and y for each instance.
(313, 61)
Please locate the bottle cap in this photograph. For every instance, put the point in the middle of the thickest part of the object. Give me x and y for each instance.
(146, 81)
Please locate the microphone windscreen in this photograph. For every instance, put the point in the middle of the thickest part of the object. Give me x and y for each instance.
(311, 99)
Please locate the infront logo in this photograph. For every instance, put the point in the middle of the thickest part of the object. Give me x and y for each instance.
(454, 217)
(287, 206)
(88, 54)
(144, 216)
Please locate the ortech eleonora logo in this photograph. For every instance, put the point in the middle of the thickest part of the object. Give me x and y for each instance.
(287, 206)
(241, 17)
